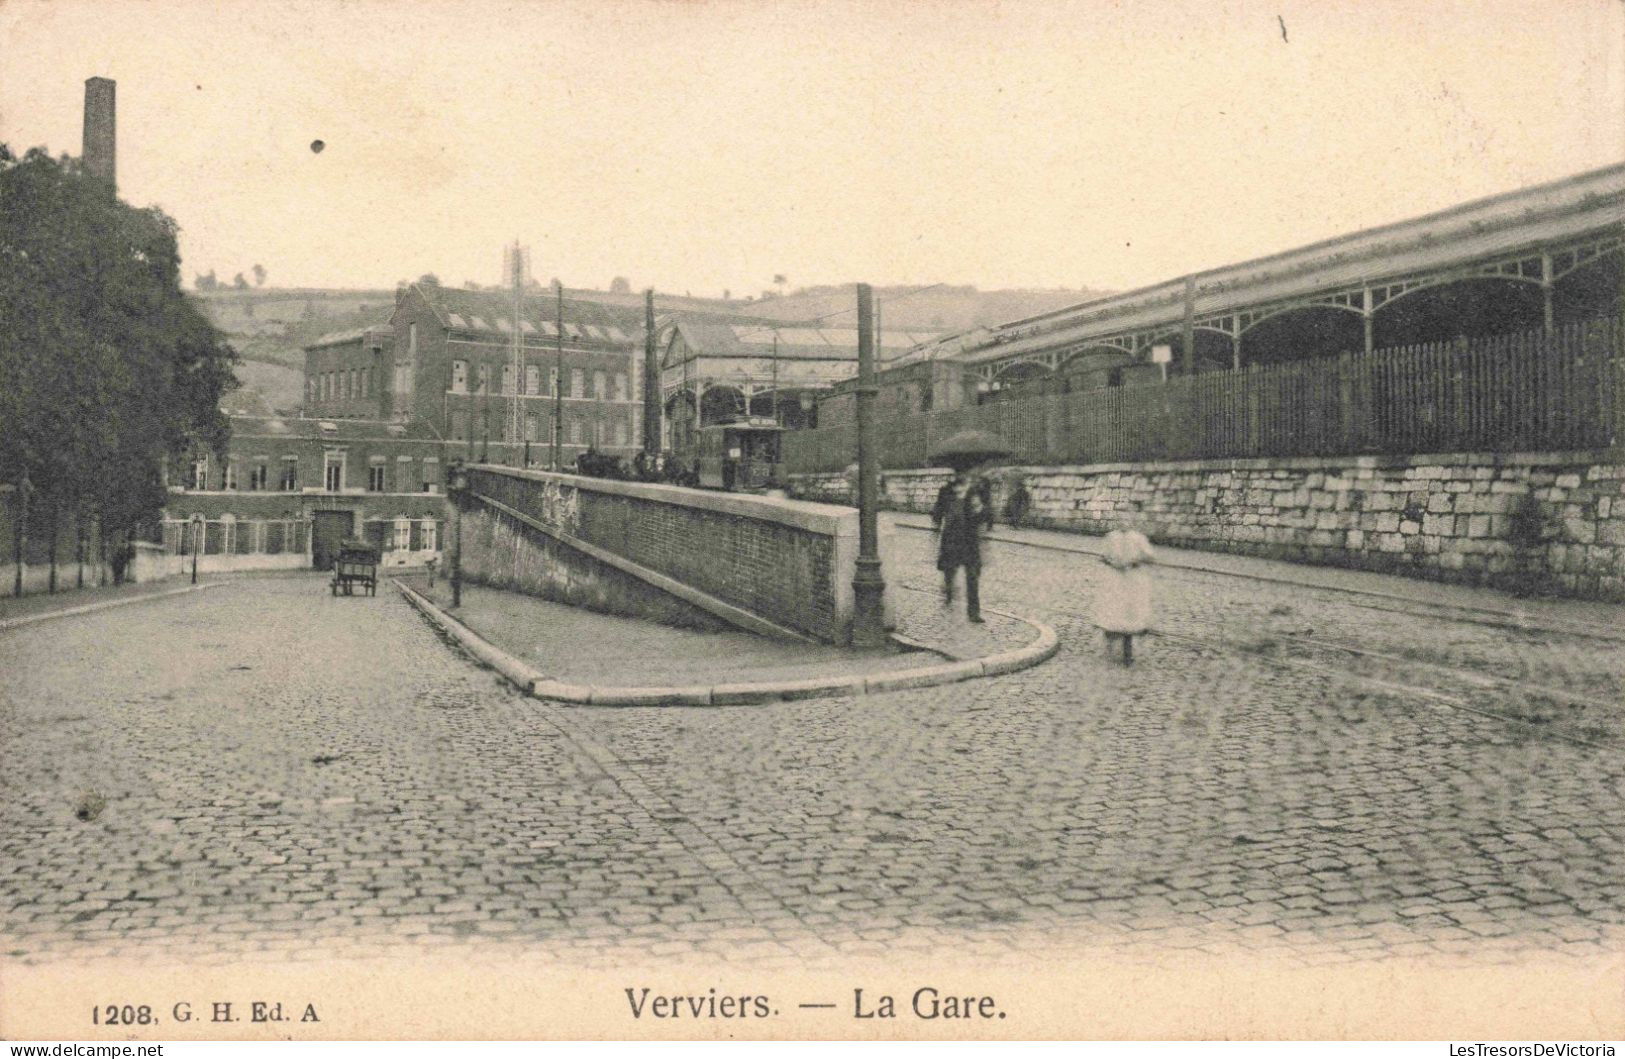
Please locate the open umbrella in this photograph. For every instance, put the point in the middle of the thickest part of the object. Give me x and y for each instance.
(968, 448)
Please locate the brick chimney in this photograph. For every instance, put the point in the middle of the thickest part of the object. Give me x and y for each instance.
(101, 134)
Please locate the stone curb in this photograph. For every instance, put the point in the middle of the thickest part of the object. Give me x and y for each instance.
(106, 604)
(541, 686)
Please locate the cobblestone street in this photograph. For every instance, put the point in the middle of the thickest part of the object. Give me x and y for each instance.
(262, 768)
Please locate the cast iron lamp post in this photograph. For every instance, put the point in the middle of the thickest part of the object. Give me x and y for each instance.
(868, 586)
(457, 483)
(198, 528)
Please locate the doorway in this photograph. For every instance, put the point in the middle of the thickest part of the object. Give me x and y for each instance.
(328, 533)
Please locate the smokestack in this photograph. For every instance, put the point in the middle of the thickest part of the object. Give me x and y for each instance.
(101, 134)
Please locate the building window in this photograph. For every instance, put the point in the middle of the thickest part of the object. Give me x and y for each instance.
(228, 475)
(530, 427)
(578, 382)
(459, 376)
(349, 385)
(403, 534)
(507, 378)
(600, 385)
(412, 340)
(258, 477)
(533, 378)
(290, 474)
(427, 538)
(310, 390)
(431, 471)
(620, 432)
(199, 478)
(333, 471)
(459, 424)
(552, 381)
(576, 431)
(403, 378)
(620, 386)
(485, 378)
(375, 478)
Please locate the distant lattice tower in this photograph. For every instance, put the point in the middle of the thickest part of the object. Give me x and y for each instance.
(101, 132)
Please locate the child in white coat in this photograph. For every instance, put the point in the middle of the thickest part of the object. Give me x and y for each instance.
(1123, 609)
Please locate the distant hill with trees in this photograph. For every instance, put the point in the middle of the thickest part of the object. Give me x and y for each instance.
(269, 326)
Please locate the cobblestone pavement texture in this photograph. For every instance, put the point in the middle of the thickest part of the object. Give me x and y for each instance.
(263, 769)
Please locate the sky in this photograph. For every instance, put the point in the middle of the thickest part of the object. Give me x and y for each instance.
(710, 145)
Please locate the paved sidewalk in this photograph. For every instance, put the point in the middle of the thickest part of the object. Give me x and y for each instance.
(1414, 590)
(583, 647)
(39, 606)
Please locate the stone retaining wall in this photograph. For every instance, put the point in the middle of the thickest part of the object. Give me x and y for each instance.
(611, 545)
(1552, 522)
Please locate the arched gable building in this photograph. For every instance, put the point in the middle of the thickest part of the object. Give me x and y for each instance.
(715, 367)
(1543, 255)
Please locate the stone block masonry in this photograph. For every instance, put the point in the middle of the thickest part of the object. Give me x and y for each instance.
(682, 556)
(1547, 522)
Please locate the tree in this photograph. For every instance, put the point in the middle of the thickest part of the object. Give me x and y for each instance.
(429, 279)
(202, 282)
(620, 285)
(107, 371)
(239, 282)
(259, 275)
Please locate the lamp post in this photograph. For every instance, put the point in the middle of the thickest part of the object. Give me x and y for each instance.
(19, 531)
(458, 482)
(868, 587)
(198, 528)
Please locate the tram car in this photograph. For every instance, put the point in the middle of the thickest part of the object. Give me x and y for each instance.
(741, 456)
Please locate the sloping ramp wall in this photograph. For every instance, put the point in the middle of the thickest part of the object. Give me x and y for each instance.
(682, 556)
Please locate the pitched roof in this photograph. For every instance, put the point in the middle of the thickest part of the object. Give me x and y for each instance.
(716, 335)
(492, 311)
(359, 334)
(328, 429)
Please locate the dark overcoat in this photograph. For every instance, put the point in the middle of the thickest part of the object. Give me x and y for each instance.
(960, 521)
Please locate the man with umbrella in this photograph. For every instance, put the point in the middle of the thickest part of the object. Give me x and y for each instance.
(964, 509)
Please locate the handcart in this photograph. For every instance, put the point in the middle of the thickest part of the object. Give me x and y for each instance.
(355, 567)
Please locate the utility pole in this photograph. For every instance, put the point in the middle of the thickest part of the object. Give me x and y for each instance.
(558, 380)
(651, 383)
(516, 373)
(1187, 330)
(868, 587)
(690, 423)
(775, 375)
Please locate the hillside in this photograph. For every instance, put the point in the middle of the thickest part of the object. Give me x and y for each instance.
(942, 308)
(270, 327)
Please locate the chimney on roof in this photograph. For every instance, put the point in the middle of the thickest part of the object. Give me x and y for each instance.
(101, 134)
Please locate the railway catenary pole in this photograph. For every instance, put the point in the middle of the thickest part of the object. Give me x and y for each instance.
(651, 383)
(868, 587)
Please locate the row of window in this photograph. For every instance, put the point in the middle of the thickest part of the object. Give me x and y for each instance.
(340, 385)
(402, 475)
(496, 425)
(605, 386)
(234, 536)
